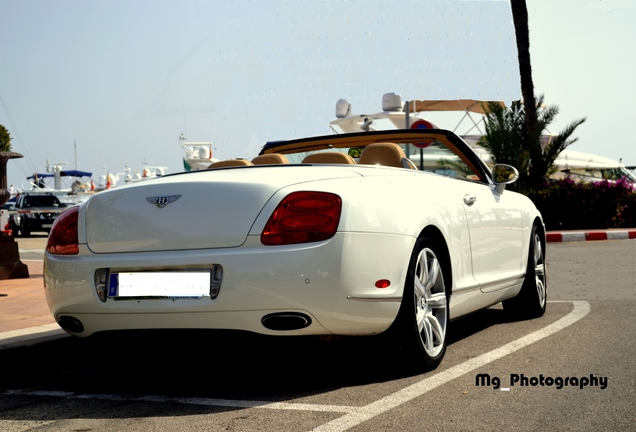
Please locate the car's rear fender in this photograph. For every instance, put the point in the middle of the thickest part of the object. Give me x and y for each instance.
(391, 205)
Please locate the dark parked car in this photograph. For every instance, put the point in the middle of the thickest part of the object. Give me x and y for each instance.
(8, 204)
(35, 212)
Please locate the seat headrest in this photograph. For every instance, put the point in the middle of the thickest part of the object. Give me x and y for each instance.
(385, 154)
(270, 159)
(230, 163)
(329, 158)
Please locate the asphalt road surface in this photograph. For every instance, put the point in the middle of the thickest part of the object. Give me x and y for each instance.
(573, 369)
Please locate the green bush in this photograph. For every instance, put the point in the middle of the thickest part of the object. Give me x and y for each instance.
(5, 139)
(570, 205)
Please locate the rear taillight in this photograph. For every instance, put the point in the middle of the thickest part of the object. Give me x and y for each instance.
(63, 236)
(303, 217)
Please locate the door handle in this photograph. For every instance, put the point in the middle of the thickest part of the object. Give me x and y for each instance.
(470, 199)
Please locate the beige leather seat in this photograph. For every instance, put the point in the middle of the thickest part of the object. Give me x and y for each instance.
(230, 163)
(329, 158)
(270, 159)
(385, 154)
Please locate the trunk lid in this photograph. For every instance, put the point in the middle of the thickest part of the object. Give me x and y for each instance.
(198, 210)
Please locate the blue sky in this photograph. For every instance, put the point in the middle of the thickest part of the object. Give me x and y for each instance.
(123, 79)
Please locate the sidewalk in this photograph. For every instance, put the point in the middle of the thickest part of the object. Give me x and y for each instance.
(25, 317)
(24, 314)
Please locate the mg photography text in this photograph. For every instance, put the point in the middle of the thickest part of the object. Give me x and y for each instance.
(558, 382)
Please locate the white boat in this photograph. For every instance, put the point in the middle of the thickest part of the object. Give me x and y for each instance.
(396, 115)
(109, 180)
(590, 167)
(70, 186)
(198, 155)
(577, 165)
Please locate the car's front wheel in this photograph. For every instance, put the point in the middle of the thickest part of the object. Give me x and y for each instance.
(424, 317)
(531, 300)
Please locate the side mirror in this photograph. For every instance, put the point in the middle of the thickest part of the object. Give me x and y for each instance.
(502, 175)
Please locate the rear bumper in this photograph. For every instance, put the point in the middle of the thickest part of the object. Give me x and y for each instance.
(317, 279)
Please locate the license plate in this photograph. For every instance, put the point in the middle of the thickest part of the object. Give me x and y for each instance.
(178, 284)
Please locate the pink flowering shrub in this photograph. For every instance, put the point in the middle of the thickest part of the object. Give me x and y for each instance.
(567, 205)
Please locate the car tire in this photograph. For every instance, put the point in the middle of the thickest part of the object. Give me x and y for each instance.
(423, 319)
(531, 300)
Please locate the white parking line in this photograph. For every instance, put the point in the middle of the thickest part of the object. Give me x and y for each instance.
(581, 308)
(231, 403)
(354, 415)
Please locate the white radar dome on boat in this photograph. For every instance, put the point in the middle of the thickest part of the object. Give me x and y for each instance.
(391, 102)
(204, 153)
(343, 108)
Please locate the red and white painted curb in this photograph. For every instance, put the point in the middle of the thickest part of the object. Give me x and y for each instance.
(568, 236)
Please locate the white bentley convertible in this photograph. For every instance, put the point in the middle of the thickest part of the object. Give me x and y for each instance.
(331, 235)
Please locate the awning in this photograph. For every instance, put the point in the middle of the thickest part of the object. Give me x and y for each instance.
(471, 105)
(69, 173)
(75, 173)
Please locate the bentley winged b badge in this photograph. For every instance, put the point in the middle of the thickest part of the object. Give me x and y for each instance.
(162, 201)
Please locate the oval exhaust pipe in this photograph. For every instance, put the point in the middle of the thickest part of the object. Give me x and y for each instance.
(70, 324)
(284, 321)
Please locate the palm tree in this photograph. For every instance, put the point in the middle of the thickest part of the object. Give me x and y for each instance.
(542, 161)
(515, 136)
(505, 136)
(533, 158)
(520, 19)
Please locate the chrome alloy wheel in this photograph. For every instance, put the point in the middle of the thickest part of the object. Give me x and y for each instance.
(539, 270)
(430, 302)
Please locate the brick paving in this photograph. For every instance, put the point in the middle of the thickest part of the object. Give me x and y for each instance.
(22, 301)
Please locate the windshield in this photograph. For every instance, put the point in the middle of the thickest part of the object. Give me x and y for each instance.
(41, 201)
(433, 157)
(613, 174)
(626, 173)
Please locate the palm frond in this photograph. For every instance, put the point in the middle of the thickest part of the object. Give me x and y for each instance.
(506, 141)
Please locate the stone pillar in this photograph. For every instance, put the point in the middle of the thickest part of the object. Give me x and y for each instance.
(10, 265)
